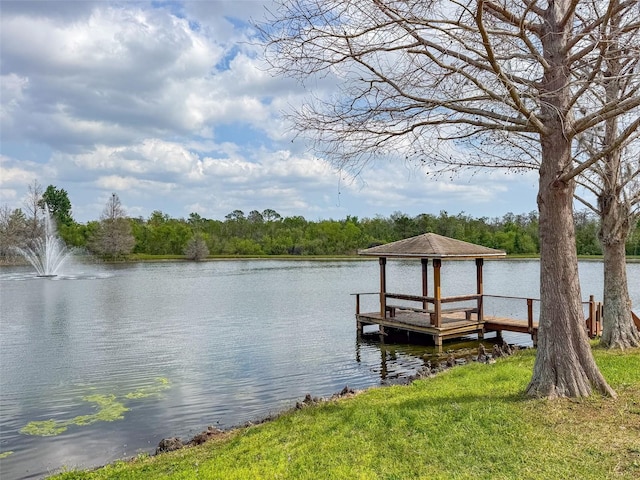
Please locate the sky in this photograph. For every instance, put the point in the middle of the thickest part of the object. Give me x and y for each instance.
(170, 105)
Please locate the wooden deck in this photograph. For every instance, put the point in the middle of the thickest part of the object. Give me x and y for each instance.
(454, 324)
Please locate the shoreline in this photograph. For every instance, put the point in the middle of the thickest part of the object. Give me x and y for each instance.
(89, 260)
(448, 362)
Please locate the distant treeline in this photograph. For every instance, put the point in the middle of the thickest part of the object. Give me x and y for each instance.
(268, 233)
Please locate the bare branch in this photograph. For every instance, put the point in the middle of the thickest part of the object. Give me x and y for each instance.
(587, 204)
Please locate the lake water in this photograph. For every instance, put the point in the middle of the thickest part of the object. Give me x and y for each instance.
(175, 347)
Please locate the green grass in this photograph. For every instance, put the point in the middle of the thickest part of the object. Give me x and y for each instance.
(471, 422)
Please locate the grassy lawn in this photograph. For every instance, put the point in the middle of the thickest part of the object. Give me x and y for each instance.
(470, 422)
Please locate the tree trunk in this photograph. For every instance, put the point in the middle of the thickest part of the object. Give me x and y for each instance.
(618, 329)
(564, 365)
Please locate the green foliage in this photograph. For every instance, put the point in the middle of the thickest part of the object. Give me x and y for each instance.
(633, 243)
(59, 205)
(587, 227)
(162, 235)
(268, 233)
(471, 422)
(77, 234)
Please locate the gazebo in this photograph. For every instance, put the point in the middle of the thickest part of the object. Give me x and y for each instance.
(429, 316)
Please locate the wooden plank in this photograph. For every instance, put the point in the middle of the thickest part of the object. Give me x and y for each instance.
(461, 309)
(636, 319)
(460, 298)
(510, 325)
(405, 307)
(413, 298)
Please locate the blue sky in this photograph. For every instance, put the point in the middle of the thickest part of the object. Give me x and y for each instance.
(170, 105)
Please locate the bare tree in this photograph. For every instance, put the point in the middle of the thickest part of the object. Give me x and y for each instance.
(197, 248)
(34, 211)
(13, 225)
(615, 184)
(474, 76)
(113, 238)
(614, 179)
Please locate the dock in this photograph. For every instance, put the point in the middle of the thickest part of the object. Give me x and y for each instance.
(446, 317)
(465, 321)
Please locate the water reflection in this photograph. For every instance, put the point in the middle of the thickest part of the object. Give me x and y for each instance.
(399, 361)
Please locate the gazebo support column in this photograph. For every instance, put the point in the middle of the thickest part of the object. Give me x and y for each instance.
(480, 292)
(425, 281)
(383, 287)
(437, 295)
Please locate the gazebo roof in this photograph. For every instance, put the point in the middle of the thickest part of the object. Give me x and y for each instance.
(431, 245)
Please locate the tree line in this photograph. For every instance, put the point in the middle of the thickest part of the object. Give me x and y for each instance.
(115, 235)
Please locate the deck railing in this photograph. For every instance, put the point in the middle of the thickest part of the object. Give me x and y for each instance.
(593, 321)
(529, 302)
(357, 295)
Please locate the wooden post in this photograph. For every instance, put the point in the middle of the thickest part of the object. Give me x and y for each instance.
(530, 315)
(359, 328)
(425, 281)
(479, 288)
(599, 316)
(437, 294)
(591, 321)
(383, 287)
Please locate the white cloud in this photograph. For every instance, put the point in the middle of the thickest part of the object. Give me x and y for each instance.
(12, 89)
(124, 68)
(118, 184)
(172, 107)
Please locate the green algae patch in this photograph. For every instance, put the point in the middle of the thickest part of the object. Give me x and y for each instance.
(5, 454)
(44, 428)
(109, 409)
(150, 391)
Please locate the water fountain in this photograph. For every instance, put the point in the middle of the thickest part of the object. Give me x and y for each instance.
(48, 253)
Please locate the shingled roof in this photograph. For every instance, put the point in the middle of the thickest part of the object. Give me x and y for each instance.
(431, 245)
